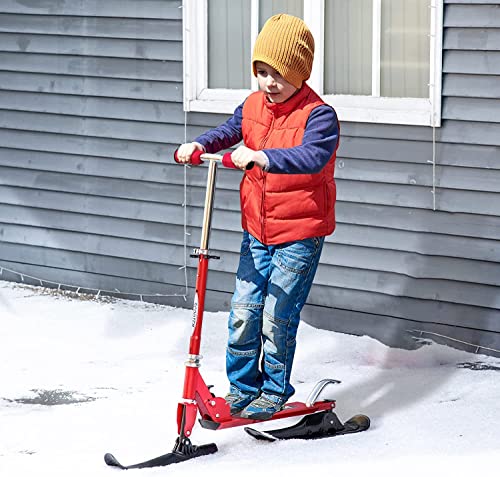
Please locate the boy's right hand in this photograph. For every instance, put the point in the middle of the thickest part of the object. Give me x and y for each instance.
(185, 151)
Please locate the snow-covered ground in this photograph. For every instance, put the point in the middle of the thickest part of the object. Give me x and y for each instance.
(80, 377)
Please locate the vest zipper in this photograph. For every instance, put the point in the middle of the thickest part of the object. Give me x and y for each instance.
(264, 176)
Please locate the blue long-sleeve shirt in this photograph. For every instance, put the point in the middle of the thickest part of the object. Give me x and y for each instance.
(319, 142)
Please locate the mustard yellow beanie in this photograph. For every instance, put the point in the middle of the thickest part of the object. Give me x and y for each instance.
(286, 44)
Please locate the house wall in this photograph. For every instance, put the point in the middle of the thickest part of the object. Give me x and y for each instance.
(91, 112)
(91, 106)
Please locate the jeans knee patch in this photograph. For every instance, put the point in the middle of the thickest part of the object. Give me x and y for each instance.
(247, 306)
(244, 325)
(275, 320)
(277, 366)
(275, 330)
(248, 353)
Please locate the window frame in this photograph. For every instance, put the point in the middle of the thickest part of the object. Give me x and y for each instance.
(351, 108)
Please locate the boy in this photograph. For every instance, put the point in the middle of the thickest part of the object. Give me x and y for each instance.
(287, 206)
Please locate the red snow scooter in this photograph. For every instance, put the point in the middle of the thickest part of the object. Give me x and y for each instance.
(319, 420)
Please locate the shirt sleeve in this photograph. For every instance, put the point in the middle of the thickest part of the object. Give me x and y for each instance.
(224, 136)
(319, 142)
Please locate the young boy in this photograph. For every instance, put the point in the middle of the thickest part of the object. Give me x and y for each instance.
(287, 206)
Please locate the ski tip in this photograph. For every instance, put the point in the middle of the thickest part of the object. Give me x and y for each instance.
(357, 423)
(112, 461)
(259, 435)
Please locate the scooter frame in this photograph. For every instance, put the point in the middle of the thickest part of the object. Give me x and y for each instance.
(197, 397)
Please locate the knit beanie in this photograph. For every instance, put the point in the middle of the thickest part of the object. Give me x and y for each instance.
(287, 45)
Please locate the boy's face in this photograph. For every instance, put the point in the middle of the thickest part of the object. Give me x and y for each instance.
(275, 87)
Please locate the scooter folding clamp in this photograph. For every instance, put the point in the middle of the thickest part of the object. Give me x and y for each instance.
(199, 251)
(194, 360)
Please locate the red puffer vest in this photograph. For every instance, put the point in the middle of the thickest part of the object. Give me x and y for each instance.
(279, 208)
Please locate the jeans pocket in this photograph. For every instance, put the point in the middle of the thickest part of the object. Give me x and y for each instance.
(297, 257)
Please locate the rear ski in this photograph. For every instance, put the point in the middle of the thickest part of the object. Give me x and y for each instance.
(314, 426)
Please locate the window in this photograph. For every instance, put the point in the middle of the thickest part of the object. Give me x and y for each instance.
(375, 61)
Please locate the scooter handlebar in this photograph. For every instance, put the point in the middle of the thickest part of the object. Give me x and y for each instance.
(198, 157)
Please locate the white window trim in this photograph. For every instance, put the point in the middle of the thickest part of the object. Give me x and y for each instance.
(369, 109)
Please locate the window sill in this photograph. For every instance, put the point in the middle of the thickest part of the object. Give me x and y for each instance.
(365, 109)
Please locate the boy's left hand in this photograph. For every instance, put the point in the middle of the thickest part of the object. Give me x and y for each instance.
(243, 155)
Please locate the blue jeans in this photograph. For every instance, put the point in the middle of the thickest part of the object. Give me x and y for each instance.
(272, 285)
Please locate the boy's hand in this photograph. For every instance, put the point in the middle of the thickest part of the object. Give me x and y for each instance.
(185, 151)
(244, 155)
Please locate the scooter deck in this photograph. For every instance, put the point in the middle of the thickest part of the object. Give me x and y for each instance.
(291, 409)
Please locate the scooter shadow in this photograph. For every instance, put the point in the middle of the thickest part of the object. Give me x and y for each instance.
(393, 387)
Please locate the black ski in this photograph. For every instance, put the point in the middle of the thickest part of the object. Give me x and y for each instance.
(182, 451)
(314, 426)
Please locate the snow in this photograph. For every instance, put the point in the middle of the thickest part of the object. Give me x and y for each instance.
(122, 362)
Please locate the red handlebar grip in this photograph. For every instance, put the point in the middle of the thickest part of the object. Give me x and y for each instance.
(195, 157)
(227, 161)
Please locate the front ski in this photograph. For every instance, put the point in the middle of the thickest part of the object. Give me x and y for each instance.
(182, 451)
(314, 426)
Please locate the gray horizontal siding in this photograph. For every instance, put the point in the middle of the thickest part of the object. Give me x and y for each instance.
(472, 39)
(88, 282)
(471, 2)
(152, 221)
(96, 47)
(473, 62)
(96, 268)
(391, 172)
(343, 297)
(87, 27)
(110, 108)
(452, 131)
(353, 190)
(470, 85)
(463, 226)
(91, 112)
(100, 82)
(89, 66)
(472, 15)
(161, 9)
(401, 264)
(448, 154)
(88, 126)
(473, 109)
(97, 146)
(84, 86)
(419, 152)
(449, 132)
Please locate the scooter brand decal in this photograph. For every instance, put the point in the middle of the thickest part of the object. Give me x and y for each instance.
(195, 310)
